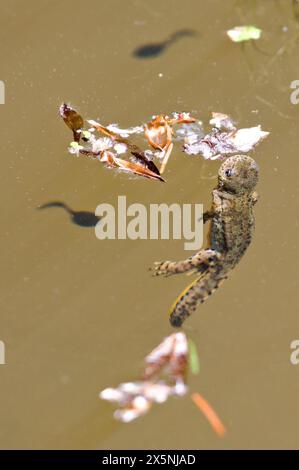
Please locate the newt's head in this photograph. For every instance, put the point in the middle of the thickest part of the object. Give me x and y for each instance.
(238, 174)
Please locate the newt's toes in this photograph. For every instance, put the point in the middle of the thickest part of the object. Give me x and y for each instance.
(159, 269)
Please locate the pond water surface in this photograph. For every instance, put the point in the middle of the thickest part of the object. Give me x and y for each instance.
(79, 314)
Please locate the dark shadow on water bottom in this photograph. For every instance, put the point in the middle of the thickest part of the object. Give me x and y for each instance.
(81, 218)
(147, 51)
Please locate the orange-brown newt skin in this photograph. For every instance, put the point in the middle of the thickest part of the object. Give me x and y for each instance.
(231, 230)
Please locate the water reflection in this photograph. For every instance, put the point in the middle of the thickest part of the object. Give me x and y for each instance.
(155, 49)
(81, 218)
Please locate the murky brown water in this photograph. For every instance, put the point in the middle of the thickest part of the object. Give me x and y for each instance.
(78, 314)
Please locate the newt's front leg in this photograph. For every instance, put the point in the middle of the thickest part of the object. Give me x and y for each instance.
(199, 262)
(208, 215)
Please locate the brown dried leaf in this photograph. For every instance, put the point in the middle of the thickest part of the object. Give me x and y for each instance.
(136, 398)
(72, 119)
(181, 118)
(222, 121)
(171, 353)
(129, 167)
(158, 132)
(135, 150)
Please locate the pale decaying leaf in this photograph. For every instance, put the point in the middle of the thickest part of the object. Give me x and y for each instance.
(222, 121)
(164, 376)
(136, 398)
(244, 33)
(75, 148)
(125, 132)
(172, 352)
(218, 144)
(187, 130)
(245, 140)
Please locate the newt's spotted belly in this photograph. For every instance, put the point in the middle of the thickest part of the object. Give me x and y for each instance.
(232, 225)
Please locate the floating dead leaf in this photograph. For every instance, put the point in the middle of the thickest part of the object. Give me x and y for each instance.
(187, 130)
(245, 140)
(109, 159)
(181, 118)
(159, 133)
(222, 121)
(125, 132)
(136, 398)
(113, 140)
(164, 376)
(149, 164)
(114, 162)
(159, 130)
(72, 119)
(139, 155)
(171, 353)
(219, 144)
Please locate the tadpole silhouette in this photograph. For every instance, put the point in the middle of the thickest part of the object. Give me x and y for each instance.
(153, 50)
(81, 218)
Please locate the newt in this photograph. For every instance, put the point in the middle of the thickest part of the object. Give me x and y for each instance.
(231, 229)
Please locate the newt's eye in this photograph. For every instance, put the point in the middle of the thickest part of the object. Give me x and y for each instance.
(228, 172)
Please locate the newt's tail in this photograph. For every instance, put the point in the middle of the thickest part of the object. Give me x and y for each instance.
(195, 293)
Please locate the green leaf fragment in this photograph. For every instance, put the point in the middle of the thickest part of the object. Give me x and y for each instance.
(193, 357)
(75, 145)
(86, 135)
(244, 33)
